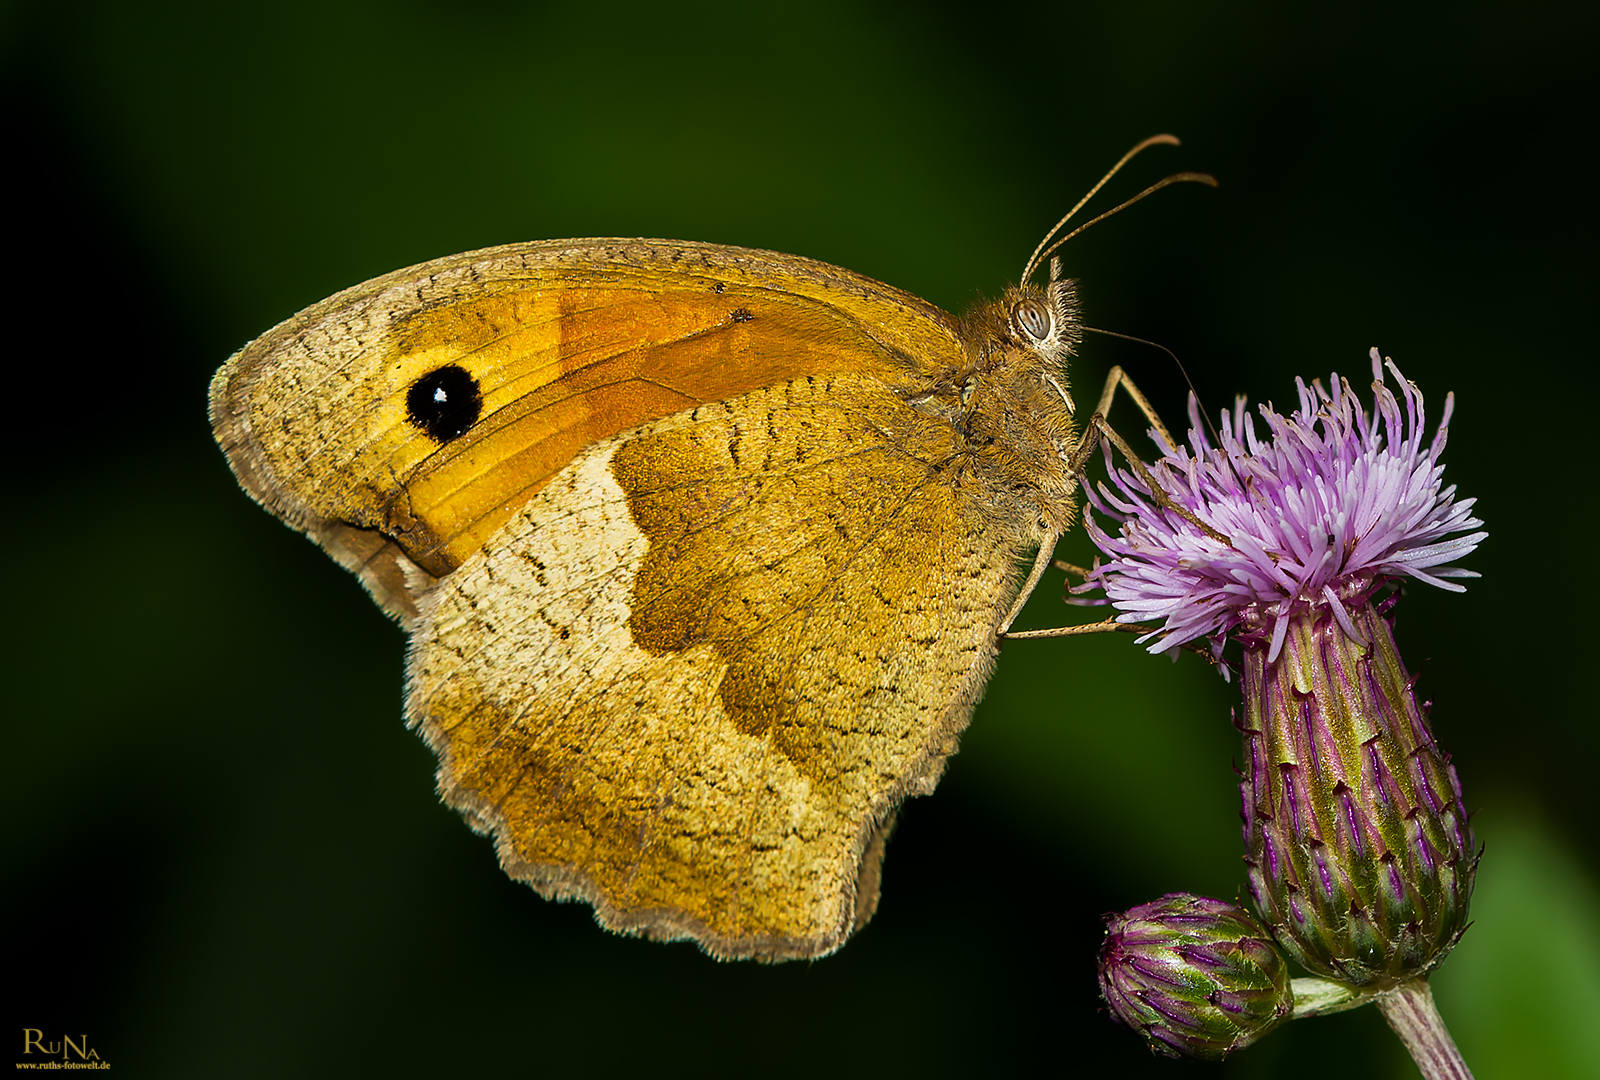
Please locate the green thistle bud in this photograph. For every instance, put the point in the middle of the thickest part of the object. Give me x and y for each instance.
(1194, 976)
(1359, 851)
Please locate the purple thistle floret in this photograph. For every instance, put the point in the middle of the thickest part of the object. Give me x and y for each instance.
(1336, 502)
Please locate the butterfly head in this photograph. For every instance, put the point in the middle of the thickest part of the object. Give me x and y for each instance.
(1045, 321)
(1015, 414)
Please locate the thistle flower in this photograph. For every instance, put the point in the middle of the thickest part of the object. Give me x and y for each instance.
(1337, 503)
(1359, 851)
(1194, 976)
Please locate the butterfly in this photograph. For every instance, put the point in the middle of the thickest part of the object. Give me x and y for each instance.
(703, 552)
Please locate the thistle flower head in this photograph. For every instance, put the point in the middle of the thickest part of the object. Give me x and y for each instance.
(1332, 504)
(1193, 975)
(1358, 848)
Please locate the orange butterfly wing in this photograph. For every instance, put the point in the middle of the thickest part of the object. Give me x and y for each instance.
(702, 551)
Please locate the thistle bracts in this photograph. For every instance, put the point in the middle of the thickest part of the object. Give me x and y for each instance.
(1359, 851)
(1194, 976)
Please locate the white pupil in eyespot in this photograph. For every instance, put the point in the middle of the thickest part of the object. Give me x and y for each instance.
(439, 395)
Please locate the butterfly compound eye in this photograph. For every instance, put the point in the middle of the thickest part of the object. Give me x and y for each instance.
(1031, 317)
(444, 403)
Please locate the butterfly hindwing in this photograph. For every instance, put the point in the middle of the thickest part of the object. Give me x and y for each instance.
(695, 648)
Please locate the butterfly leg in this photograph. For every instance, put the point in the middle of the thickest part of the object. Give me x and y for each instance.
(1116, 378)
(1099, 428)
(1079, 458)
(1095, 431)
(1046, 551)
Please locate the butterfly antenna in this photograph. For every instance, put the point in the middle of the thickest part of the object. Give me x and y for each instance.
(1216, 440)
(1175, 178)
(1037, 258)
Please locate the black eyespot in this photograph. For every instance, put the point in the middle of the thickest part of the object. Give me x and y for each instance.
(1032, 319)
(444, 403)
(742, 315)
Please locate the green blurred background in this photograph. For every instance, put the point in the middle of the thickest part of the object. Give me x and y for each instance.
(223, 854)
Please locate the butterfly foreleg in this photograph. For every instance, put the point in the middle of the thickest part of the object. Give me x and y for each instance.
(1096, 430)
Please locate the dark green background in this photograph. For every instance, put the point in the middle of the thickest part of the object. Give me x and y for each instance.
(223, 855)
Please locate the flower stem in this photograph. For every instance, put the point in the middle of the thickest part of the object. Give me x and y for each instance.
(1411, 1013)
